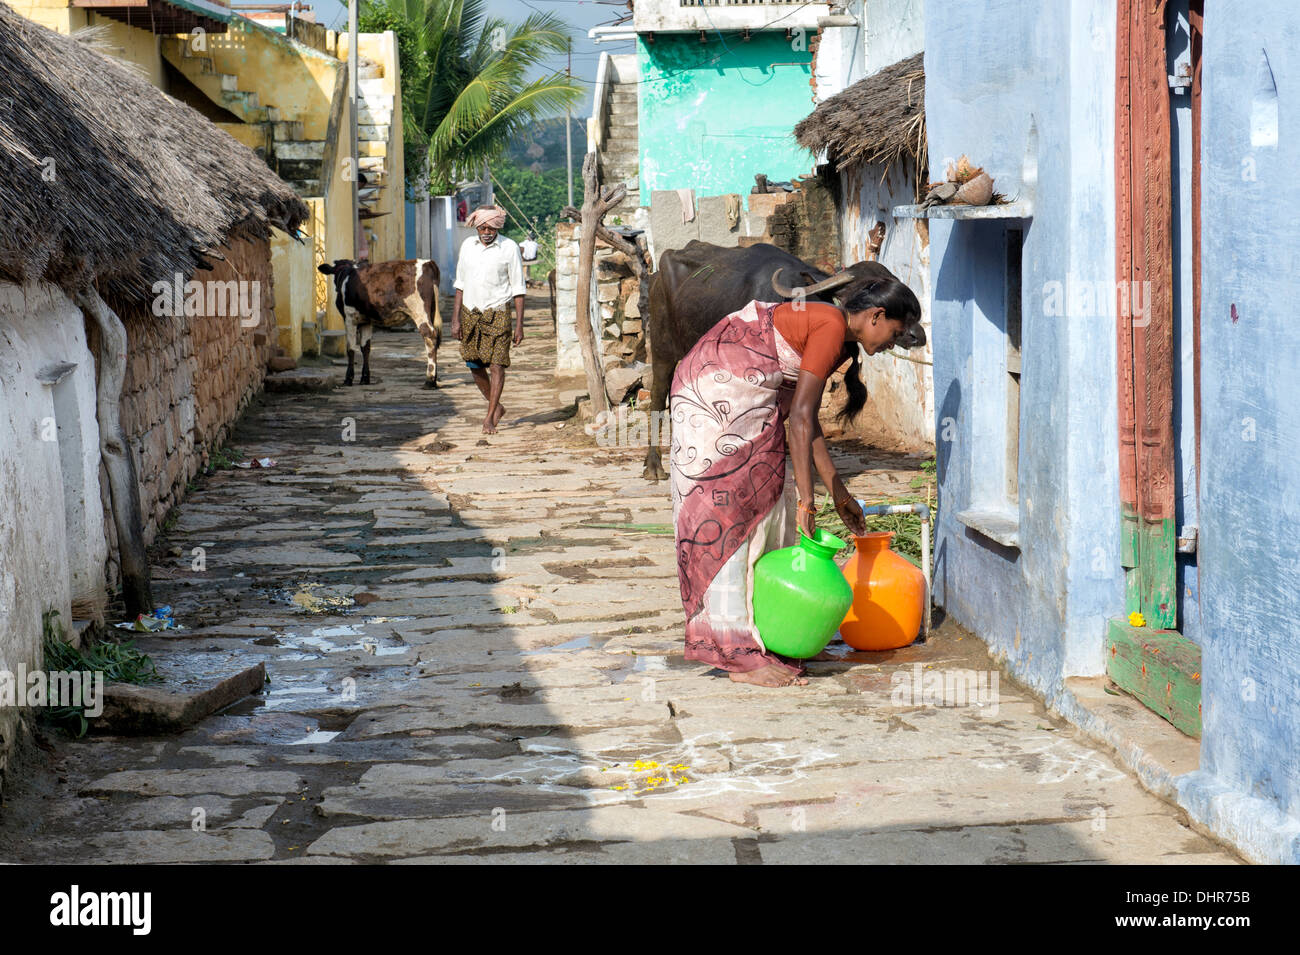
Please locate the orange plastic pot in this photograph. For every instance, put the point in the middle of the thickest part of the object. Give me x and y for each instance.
(888, 596)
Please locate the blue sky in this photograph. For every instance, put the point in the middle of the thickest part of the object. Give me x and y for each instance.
(582, 15)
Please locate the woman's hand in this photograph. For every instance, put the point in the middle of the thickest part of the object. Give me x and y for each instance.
(806, 519)
(850, 512)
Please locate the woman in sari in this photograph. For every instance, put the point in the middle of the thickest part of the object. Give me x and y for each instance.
(736, 494)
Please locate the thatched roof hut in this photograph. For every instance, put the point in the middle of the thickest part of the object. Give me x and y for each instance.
(107, 178)
(879, 119)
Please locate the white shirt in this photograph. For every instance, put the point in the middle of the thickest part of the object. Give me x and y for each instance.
(529, 249)
(489, 276)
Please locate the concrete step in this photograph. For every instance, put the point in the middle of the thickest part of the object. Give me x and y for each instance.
(244, 105)
(299, 171)
(375, 147)
(221, 88)
(372, 87)
(301, 149)
(283, 131)
(375, 115)
(371, 132)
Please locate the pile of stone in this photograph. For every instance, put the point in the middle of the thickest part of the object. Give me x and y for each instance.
(618, 293)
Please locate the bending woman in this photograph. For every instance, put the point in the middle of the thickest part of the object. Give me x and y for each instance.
(733, 494)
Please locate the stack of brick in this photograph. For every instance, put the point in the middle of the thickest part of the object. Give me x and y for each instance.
(802, 222)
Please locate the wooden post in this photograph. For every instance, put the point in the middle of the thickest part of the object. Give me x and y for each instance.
(595, 203)
(637, 254)
(124, 486)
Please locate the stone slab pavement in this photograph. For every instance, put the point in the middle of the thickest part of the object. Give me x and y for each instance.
(464, 667)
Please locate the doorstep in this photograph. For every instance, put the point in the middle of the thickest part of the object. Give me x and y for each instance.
(1148, 745)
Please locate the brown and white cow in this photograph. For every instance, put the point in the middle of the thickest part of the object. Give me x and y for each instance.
(387, 293)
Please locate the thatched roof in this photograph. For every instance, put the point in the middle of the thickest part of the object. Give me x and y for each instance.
(106, 177)
(876, 120)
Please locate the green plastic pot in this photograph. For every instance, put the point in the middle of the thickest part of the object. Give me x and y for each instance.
(801, 596)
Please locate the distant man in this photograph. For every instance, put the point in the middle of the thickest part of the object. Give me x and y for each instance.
(489, 274)
(528, 248)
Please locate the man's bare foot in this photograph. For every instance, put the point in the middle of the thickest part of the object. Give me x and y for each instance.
(492, 420)
(771, 675)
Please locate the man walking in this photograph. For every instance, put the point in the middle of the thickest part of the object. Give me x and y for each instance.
(528, 248)
(489, 275)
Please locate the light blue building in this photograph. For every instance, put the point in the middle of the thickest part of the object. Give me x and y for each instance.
(1082, 476)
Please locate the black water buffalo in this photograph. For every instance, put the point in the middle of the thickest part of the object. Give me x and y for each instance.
(697, 286)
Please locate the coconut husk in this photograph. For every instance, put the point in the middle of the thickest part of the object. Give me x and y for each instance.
(962, 171)
(975, 192)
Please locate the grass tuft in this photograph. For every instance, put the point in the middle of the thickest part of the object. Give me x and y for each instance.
(119, 662)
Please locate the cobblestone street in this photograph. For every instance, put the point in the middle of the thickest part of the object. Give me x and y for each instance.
(475, 669)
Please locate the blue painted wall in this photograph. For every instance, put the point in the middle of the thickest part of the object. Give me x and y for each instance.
(1044, 606)
(1249, 550)
(713, 114)
(992, 73)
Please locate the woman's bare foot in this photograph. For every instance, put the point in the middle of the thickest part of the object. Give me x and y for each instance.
(771, 675)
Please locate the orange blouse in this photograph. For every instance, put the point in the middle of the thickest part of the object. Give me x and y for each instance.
(816, 331)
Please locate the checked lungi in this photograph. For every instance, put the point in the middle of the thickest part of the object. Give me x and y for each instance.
(485, 335)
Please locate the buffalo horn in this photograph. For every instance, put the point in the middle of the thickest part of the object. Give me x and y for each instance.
(825, 285)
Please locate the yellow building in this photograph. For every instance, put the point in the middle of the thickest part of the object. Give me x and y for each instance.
(285, 96)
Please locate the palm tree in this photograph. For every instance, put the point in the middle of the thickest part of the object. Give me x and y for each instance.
(465, 89)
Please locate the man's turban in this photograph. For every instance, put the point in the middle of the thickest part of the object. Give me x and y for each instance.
(493, 216)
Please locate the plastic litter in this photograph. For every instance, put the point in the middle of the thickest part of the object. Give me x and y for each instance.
(160, 619)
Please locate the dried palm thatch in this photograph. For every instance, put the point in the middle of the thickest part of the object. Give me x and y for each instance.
(879, 119)
(109, 180)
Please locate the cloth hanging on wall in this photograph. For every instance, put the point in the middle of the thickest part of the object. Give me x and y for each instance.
(733, 210)
(687, 197)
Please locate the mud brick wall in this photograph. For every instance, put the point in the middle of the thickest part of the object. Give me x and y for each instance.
(188, 379)
(806, 226)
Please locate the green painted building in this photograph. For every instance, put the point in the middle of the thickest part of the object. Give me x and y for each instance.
(712, 114)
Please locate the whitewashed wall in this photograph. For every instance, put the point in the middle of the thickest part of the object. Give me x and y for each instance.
(900, 393)
(895, 30)
(48, 551)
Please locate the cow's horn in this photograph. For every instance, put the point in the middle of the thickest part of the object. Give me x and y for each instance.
(825, 285)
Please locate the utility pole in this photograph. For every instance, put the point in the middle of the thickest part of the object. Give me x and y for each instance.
(355, 160)
(568, 131)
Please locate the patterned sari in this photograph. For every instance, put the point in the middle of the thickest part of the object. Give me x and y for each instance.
(733, 497)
